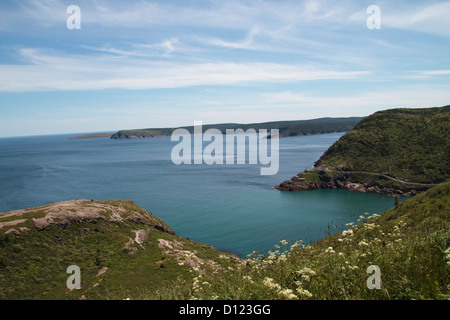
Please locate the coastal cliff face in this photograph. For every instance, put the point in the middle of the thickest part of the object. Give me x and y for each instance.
(327, 180)
(397, 152)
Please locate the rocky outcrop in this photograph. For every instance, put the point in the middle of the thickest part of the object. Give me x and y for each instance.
(327, 180)
(11, 223)
(63, 214)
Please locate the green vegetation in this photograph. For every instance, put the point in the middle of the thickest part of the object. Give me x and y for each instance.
(96, 236)
(407, 144)
(311, 176)
(410, 243)
(93, 136)
(286, 128)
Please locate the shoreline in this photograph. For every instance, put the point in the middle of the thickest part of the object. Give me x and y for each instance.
(325, 179)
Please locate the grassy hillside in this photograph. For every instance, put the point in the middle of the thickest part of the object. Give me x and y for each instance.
(409, 243)
(409, 144)
(286, 128)
(117, 245)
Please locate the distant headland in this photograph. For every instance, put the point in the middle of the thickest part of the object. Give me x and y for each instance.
(286, 128)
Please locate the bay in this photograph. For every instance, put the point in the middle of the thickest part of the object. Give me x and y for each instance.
(231, 207)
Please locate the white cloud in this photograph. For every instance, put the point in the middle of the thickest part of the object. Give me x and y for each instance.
(72, 72)
(436, 72)
(407, 96)
(428, 18)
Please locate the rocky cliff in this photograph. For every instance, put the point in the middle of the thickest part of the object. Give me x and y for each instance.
(343, 180)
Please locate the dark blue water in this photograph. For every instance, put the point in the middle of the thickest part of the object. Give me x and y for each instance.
(231, 207)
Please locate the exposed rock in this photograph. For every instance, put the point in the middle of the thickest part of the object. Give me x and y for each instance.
(140, 236)
(186, 257)
(12, 231)
(339, 181)
(11, 223)
(62, 214)
(102, 271)
(129, 246)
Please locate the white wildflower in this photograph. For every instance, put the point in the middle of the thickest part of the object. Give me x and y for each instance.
(296, 245)
(347, 232)
(287, 293)
(269, 282)
(329, 250)
(307, 271)
(304, 292)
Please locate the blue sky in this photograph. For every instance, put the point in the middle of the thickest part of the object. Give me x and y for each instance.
(141, 64)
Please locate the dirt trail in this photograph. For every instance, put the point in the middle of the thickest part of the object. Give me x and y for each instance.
(388, 177)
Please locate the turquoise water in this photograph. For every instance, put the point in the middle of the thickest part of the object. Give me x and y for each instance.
(231, 207)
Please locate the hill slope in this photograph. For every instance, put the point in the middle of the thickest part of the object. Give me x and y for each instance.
(117, 245)
(397, 151)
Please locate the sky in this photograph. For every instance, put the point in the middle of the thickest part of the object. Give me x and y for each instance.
(144, 64)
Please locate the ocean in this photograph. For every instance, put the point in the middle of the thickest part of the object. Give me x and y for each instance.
(231, 207)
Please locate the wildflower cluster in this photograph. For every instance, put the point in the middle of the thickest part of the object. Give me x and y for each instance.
(346, 235)
(286, 293)
(303, 292)
(269, 282)
(329, 250)
(283, 293)
(198, 283)
(447, 255)
(366, 217)
(363, 243)
(280, 254)
(297, 245)
(306, 274)
(248, 278)
(349, 266)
